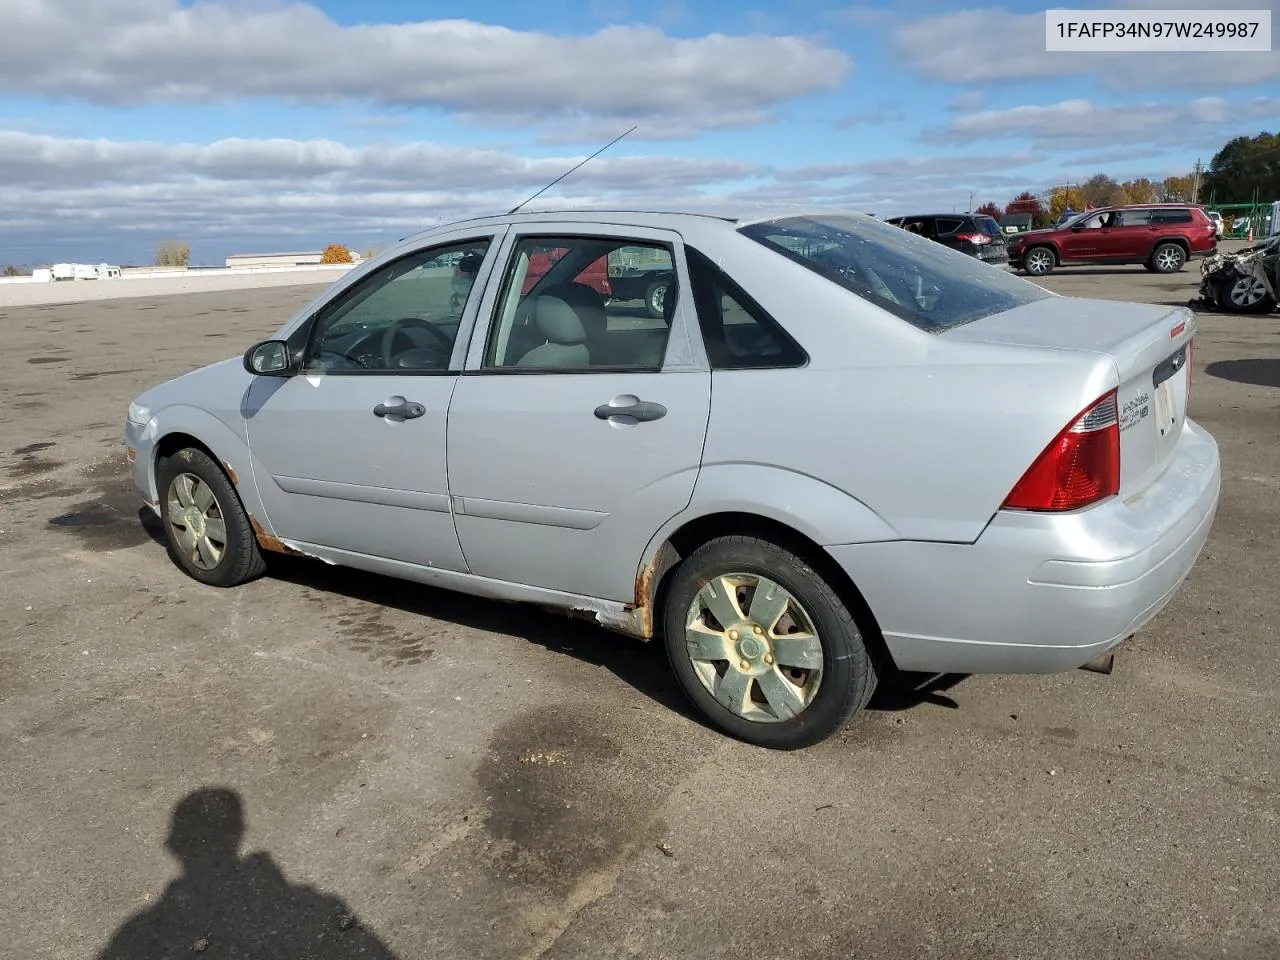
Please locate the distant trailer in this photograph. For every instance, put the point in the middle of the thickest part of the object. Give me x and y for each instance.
(84, 271)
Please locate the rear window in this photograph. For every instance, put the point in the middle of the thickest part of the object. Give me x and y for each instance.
(988, 226)
(924, 283)
(1170, 216)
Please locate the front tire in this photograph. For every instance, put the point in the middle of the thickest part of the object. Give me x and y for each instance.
(207, 532)
(1245, 294)
(763, 646)
(1039, 261)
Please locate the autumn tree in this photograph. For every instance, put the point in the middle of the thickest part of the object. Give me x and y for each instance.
(1063, 198)
(1101, 190)
(173, 253)
(1140, 190)
(1028, 202)
(336, 253)
(11, 270)
(990, 210)
(1176, 189)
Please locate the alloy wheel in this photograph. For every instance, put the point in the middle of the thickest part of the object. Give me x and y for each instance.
(1246, 291)
(1039, 261)
(1169, 259)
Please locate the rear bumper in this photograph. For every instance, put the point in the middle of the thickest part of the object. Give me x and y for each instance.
(1039, 593)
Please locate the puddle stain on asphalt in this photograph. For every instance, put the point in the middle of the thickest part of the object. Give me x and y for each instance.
(31, 465)
(33, 448)
(101, 373)
(114, 520)
(554, 823)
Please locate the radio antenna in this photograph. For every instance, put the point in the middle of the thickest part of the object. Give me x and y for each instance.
(569, 171)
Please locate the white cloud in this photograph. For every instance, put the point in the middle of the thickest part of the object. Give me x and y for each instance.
(105, 199)
(969, 100)
(127, 52)
(990, 44)
(1081, 124)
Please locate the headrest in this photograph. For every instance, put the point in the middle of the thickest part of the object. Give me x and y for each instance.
(558, 322)
(585, 300)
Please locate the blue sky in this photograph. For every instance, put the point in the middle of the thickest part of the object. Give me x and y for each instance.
(241, 125)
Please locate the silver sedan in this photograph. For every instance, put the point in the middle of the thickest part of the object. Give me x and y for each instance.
(840, 449)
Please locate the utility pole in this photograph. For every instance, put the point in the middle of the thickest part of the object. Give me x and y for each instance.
(1195, 182)
(971, 201)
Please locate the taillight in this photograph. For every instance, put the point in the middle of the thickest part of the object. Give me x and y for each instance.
(1081, 466)
(978, 238)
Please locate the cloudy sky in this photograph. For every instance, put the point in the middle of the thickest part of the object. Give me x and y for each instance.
(251, 125)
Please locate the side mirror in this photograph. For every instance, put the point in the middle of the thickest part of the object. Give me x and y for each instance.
(270, 358)
(1077, 227)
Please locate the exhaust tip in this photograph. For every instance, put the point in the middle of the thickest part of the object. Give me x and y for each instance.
(1103, 663)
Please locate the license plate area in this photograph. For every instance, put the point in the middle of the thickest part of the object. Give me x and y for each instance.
(1163, 381)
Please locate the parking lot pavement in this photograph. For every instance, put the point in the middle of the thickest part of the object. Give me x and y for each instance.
(426, 775)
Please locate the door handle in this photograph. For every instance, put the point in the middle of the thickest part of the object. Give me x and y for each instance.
(399, 407)
(640, 410)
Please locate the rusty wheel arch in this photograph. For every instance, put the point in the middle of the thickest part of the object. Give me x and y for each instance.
(654, 579)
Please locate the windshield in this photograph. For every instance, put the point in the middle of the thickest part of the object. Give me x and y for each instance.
(924, 283)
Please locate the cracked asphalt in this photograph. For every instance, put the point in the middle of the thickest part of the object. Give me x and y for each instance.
(422, 774)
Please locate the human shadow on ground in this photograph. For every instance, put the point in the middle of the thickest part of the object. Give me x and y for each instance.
(225, 905)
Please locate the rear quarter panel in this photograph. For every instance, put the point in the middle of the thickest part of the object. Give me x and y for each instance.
(929, 434)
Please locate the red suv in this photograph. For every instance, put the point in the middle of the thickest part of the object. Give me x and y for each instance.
(1160, 236)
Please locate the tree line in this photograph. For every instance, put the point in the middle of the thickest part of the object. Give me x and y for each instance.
(1245, 170)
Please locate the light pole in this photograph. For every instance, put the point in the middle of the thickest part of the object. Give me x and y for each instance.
(970, 201)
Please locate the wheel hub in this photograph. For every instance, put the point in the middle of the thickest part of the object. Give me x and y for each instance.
(195, 521)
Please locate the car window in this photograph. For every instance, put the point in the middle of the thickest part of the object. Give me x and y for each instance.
(1171, 216)
(988, 226)
(403, 317)
(583, 303)
(1134, 218)
(948, 225)
(928, 285)
(736, 330)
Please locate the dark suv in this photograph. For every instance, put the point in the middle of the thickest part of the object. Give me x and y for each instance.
(972, 233)
(1160, 236)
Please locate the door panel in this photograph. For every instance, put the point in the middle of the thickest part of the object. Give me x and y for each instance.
(548, 494)
(353, 445)
(577, 431)
(341, 476)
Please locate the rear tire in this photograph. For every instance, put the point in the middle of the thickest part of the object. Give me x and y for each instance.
(785, 684)
(1039, 261)
(207, 532)
(655, 296)
(1168, 258)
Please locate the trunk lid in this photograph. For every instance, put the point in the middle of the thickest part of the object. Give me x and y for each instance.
(1150, 347)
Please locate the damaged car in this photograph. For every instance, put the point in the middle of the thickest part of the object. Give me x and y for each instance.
(1242, 282)
(841, 449)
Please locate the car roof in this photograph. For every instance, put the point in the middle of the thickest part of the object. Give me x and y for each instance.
(730, 215)
(923, 216)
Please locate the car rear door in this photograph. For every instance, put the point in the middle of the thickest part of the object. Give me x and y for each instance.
(577, 430)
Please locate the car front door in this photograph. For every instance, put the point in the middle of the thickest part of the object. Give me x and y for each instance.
(1082, 242)
(351, 448)
(577, 430)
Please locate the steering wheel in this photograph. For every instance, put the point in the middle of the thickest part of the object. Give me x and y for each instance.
(396, 326)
